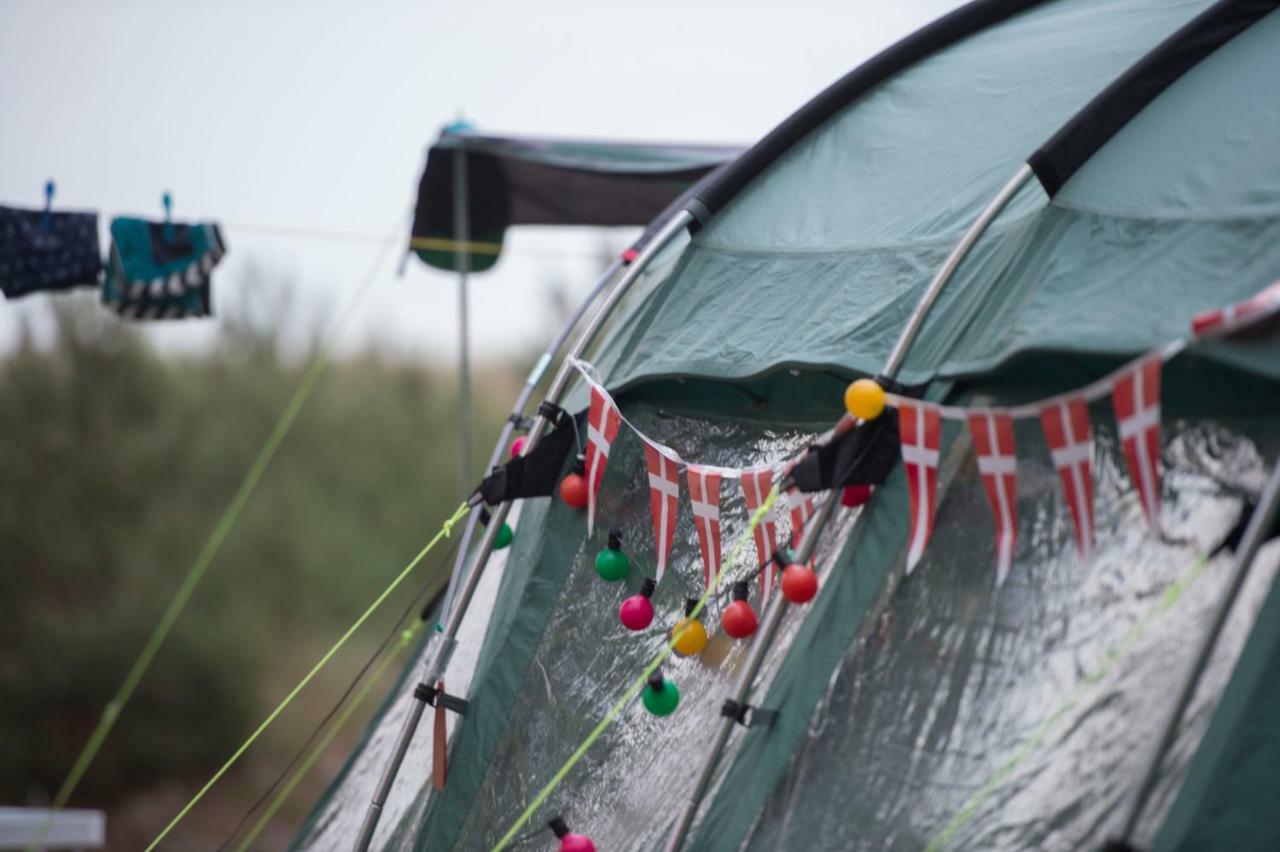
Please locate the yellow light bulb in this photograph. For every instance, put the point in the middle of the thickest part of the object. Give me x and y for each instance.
(690, 636)
(864, 399)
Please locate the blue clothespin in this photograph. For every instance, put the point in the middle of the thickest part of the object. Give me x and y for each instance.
(167, 200)
(46, 221)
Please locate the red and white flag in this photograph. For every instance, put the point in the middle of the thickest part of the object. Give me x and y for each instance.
(603, 420)
(704, 495)
(1136, 398)
(1240, 314)
(801, 506)
(992, 433)
(664, 496)
(756, 485)
(920, 426)
(1068, 434)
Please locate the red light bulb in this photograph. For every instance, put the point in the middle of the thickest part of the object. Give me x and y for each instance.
(573, 488)
(799, 583)
(739, 619)
(636, 612)
(570, 842)
(854, 496)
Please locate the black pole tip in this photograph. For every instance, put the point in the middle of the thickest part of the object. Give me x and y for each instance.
(690, 604)
(741, 590)
(557, 825)
(648, 586)
(615, 539)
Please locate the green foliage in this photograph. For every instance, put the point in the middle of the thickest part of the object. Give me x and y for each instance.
(117, 462)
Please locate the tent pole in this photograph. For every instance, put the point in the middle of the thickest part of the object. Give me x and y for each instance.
(742, 686)
(949, 266)
(438, 657)
(773, 616)
(1254, 535)
(462, 260)
(517, 411)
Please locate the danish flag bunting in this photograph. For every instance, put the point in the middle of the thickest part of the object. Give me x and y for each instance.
(921, 431)
(756, 485)
(1067, 432)
(1256, 307)
(1136, 398)
(603, 420)
(801, 505)
(992, 433)
(704, 494)
(664, 495)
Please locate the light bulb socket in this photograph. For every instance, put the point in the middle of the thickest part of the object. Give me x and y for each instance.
(647, 587)
(615, 539)
(656, 682)
(741, 590)
(690, 604)
(780, 560)
(557, 825)
(485, 517)
(580, 465)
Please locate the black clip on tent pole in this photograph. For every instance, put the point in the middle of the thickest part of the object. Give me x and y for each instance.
(444, 642)
(1254, 534)
(517, 411)
(773, 616)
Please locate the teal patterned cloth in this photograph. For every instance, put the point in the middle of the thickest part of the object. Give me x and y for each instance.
(160, 270)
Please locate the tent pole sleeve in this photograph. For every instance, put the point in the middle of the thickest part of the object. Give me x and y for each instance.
(948, 268)
(742, 686)
(773, 616)
(522, 401)
(437, 658)
(1254, 535)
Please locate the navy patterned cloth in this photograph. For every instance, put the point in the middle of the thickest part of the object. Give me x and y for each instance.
(54, 254)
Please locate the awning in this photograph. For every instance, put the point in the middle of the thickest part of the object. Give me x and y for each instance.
(539, 181)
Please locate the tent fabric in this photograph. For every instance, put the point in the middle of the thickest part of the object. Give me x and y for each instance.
(1231, 780)
(531, 181)
(1090, 129)
(1029, 704)
(826, 254)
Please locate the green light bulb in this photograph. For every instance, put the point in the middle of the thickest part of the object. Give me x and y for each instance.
(612, 564)
(504, 537)
(661, 697)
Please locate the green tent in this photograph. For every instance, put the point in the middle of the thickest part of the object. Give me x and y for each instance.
(934, 709)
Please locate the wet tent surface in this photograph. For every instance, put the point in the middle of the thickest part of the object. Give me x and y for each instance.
(1021, 717)
(624, 790)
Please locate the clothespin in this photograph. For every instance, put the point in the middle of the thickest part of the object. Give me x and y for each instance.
(167, 201)
(47, 220)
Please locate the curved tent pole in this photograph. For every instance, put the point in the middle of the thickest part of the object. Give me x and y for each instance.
(1254, 535)
(517, 411)
(445, 641)
(773, 616)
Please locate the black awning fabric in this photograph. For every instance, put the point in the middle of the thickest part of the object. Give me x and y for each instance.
(524, 181)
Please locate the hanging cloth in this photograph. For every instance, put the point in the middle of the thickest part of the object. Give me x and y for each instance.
(42, 250)
(160, 270)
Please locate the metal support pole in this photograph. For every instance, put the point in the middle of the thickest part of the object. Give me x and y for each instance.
(462, 259)
(1254, 535)
(773, 617)
(517, 410)
(742, 686)
(438, 658)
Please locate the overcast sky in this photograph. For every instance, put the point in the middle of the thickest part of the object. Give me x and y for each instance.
(316, 115)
